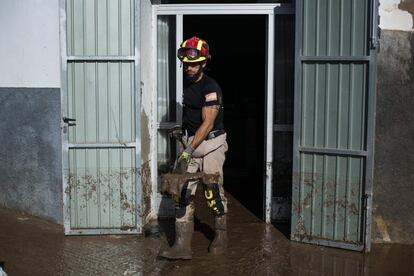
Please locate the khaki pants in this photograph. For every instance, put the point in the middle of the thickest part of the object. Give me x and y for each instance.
(209, 158)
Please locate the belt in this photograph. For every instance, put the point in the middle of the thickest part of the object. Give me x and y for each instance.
(214, 134)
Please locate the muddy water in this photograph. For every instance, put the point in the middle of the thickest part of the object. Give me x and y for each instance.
(30, 246)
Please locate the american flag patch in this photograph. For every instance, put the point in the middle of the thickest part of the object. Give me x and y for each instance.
(211, 97)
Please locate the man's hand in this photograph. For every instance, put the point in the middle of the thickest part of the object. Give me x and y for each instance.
(183, 160)
(185, 156)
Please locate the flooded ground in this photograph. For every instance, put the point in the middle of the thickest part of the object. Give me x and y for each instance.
(31, 246)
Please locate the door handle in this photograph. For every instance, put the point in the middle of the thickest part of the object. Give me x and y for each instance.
(68, 121)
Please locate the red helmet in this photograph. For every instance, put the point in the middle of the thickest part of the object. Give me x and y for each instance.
(193, 50)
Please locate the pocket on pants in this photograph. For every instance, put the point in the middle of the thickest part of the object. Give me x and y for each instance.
(208, 146)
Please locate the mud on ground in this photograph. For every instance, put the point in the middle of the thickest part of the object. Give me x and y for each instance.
(31, 246)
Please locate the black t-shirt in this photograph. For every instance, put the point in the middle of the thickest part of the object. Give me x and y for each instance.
(205, 92)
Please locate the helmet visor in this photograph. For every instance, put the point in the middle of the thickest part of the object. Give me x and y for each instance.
(189, 53)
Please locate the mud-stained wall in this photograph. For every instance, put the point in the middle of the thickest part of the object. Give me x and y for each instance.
(146, 90)
(30, 152)
(407, 5)
(146, 192)
(393, 213)
(396, 14)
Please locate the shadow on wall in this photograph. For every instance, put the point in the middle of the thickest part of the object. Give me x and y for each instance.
(394, 143)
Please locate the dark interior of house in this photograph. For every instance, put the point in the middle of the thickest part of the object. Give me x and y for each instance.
(238, 50)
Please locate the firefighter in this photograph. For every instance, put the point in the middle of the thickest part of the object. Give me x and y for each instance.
(205, 149)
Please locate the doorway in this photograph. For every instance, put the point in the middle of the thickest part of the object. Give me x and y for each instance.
(238, 48)
(242, 41)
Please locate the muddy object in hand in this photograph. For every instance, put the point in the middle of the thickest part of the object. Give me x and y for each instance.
(180, 167)
(173, 183)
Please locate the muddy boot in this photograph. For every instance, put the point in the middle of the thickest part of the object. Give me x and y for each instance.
(219, 244)
(182, 245)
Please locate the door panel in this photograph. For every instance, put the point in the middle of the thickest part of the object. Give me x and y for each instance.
(330, 197)
(333, 106)
(100, 150)
(101, 98)
(100, 28)
(335, 27)
(102, 188)
(333, 142)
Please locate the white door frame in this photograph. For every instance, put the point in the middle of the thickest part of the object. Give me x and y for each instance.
(221, 9)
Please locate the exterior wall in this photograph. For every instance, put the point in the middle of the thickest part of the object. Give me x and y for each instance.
(393, 216)
(30, 171)
(396, 14)
(30, 155)
(30, 57)
(147, 92)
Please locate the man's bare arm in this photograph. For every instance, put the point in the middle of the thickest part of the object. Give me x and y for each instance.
(209, 115)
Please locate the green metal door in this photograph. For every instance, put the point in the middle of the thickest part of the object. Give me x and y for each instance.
(101, 151)
(333, 125)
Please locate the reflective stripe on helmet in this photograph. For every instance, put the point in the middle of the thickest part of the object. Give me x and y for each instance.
(200, 44)
(185, 59)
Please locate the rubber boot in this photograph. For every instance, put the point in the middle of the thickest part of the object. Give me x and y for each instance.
(219, 244)
(182, 245)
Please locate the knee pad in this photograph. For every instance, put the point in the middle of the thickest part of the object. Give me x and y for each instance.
(212, 195)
